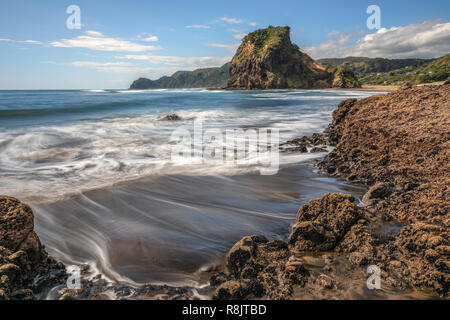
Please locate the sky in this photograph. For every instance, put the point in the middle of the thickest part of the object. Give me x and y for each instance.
(117, 42)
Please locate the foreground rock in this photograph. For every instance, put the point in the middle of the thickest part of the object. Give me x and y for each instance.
(322, 223)
(257, 267)
(25, 267)
(398, 146)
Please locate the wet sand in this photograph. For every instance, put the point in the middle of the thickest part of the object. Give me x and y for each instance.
(166, 229)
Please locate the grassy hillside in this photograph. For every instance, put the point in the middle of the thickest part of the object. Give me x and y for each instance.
(433, 71)
(362, 65)
(380, 71)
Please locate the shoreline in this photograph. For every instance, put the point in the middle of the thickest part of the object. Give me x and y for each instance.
(333, 236)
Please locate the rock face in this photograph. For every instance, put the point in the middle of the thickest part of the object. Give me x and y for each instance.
(267, 59)
(24, 263)
(398, 146)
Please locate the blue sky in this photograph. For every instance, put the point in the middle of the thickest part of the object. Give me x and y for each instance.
(122, 40)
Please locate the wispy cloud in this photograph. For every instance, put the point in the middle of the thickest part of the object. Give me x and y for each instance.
(183, 62)
(230, 47)
(430, 39)
(333, 33)
(23, 41)
(229, 20)
(253, 24)
(147, 37)
(239, 36)
(197, 26)
(94, 40)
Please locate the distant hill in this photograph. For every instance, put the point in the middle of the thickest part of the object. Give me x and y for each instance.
(362, 65)
(200, 78)
(432, 71)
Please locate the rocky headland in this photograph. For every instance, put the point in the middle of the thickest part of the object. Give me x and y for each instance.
(397, 146)
(267, 59)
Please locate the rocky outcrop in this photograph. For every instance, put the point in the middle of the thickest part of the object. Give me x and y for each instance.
(258, 267)
(323, 222)
(398, 146)
(343, 78)
(267, 59)
(25, 267)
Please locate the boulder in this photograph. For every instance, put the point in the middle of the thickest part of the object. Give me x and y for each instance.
(22, 256)
(323, 222)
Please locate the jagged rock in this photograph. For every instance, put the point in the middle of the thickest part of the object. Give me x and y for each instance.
(377, 192)
(325, 282)
(171, 117)
(318, 150)
(259, 267)
(23, 259)
(323, 222)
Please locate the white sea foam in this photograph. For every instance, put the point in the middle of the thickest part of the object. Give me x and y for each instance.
(62, 159)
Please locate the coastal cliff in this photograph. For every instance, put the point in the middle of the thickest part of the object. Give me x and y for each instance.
(200, 78)
(267, 59)
(397, 146)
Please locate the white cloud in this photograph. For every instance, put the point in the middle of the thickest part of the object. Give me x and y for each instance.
(253, 24)
(427, 40)
(181, 62)
(239, 36)
(197, 26)
(234, 30)
(230, 47)
(151, 39)
(229, 20)
(94, 33)
(333, 33)
(116, 67)
(23, 41)
(94, 40)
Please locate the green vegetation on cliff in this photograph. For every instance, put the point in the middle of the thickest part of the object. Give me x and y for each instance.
(343, 78)
(379, 71)
(200, 78)
(362, 65)
(429, 72)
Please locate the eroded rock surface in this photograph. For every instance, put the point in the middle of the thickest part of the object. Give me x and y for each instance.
(25, 267)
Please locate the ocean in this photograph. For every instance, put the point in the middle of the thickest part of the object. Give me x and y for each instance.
(96, 166)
